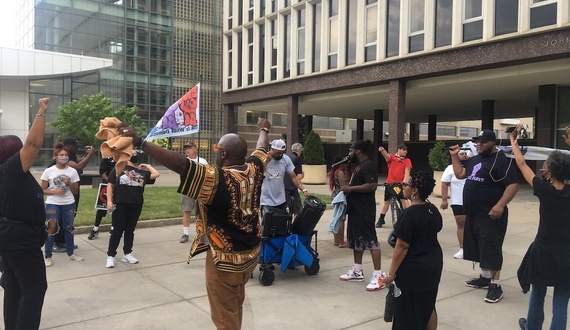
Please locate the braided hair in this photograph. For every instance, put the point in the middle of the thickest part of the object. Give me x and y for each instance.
(423, 181)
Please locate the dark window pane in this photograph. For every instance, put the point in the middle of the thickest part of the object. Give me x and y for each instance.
(393, 28)
(351, 32)
(443, 22)
(416, 43)
(370, 54)
(473, 31)
(506, 16)
(543, 16)
(317, 38)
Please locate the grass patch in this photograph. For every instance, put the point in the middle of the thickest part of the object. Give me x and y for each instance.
(159, 203)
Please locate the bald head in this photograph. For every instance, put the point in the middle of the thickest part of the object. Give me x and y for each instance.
(234, 150)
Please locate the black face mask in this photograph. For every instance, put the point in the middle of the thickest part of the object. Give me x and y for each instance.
(463, 161)
(278, 157)
(134, 159)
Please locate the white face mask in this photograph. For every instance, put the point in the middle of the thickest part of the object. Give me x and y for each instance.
(62, 159)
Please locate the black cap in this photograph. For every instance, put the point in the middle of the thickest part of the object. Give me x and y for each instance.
(403, 147)
(189, 145)
(486, 135)
(360, 145)
(71, 141)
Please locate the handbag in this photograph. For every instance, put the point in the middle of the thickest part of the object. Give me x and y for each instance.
(392, 239)
(389, 308)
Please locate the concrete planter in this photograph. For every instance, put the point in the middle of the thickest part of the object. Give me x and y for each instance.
(437, 189)
(314, 174)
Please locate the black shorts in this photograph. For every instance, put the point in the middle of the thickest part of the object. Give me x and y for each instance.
(293, 201)
(389, 191)
(483, 240)
(457, 210)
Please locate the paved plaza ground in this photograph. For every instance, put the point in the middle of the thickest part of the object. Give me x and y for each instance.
(162, 291)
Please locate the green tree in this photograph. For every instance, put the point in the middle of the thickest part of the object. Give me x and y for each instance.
(81, 118)
(313, 152)
(438, 157)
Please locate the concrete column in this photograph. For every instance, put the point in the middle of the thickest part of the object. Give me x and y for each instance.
(396, 114)
(229, 119)
(360, 129)
(292, 120)
(487, 114)
(414, 131)
(378, 137)
(432, 127)
(545, 116)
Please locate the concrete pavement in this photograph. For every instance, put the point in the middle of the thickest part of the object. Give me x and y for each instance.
(162, 291)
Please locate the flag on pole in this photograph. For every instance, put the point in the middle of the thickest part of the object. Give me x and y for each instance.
(181, 118)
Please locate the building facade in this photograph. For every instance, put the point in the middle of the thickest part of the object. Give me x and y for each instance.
(160, 49)
(404, 64)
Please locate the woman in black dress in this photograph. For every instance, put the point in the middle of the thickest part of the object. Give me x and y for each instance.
(417, 251)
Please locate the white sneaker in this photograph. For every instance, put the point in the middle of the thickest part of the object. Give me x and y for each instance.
(459, 254)
(48, 262)
(353, 276)
(375, 283)
(130, 259)
(110, 262)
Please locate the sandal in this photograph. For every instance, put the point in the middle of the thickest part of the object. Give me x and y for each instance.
(343, 245)
(335, 244)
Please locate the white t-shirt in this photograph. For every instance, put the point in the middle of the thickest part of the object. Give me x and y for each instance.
(455, 186)
(273, 186)
(199, 160)
(54, 176)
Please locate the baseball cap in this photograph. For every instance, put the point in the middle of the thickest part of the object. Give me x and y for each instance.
(189, 145)
(71, 141)
(297, 146)
(360, 145)
(403, 146)
(486, 135)
(278, 145)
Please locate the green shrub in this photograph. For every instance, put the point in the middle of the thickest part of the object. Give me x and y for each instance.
(438, 157)
(313, 152)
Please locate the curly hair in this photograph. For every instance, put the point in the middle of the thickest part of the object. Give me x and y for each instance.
(57, 148)
(558, 164)
(423, 181)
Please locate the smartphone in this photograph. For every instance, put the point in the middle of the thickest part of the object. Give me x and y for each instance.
(510, 129)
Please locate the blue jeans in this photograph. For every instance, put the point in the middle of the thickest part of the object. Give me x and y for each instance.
(535, 316)
(67, 215)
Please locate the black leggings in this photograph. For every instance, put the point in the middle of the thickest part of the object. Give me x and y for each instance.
(125, 218)
(25, 286)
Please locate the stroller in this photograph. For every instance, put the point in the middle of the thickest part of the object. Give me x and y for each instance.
(289, 243)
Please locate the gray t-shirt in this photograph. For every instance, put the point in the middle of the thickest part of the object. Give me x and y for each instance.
(273, 187)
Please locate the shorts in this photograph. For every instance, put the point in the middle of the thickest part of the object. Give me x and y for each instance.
(388, 192)
(361, 232)
(187, 204)
(483, 240)
(457, 210)
(293, 201)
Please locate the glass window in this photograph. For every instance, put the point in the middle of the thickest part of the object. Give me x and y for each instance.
(239, 58)
(301, 42)
(371, 36)
(351, 26)
(240, 12)
(472, 9)
(250, 56)
(273, 49)
(468, 131)
(506, 16)
(230, 13)
(230, 62)
(443, 22)
(444, 130)
(317, 38)
(393, 29)
(250, 11)
(542, 13)
(261, 68)
(417, 17)
(279, 119)
(251, 116)
(472, 20)
(333, 34)
(287, 46)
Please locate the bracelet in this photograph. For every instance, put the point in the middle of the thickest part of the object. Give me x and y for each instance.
(304, 190)
(40, 114)
(390, 276)
(265, 129)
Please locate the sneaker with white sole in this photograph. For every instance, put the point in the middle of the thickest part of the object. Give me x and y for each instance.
(375, 283)
(353, 276)
(130, 259)
(75, 257)
(494, 293)
(478, 282)
(48, 262)
(110, 262)
(459, 254)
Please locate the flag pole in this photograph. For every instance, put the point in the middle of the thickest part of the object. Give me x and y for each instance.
(199, 107)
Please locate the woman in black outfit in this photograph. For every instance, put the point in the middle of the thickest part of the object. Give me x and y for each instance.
(417, 253)
(22, 227)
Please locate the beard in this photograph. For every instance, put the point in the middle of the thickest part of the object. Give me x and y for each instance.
(353, 159)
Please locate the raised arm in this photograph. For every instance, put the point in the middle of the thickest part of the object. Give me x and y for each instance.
(263, 126)
(384, 154)
(458, 169)
(35, 139)
(567, 136)
(84, 160)
(526, 171)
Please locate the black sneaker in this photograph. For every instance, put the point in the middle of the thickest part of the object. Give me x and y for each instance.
(478, 282)
(380, 223)
(522, 323)
(494, 294)
(92, 235)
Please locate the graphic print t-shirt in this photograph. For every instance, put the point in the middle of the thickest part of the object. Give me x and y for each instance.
(129, 185)
(55, 176)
